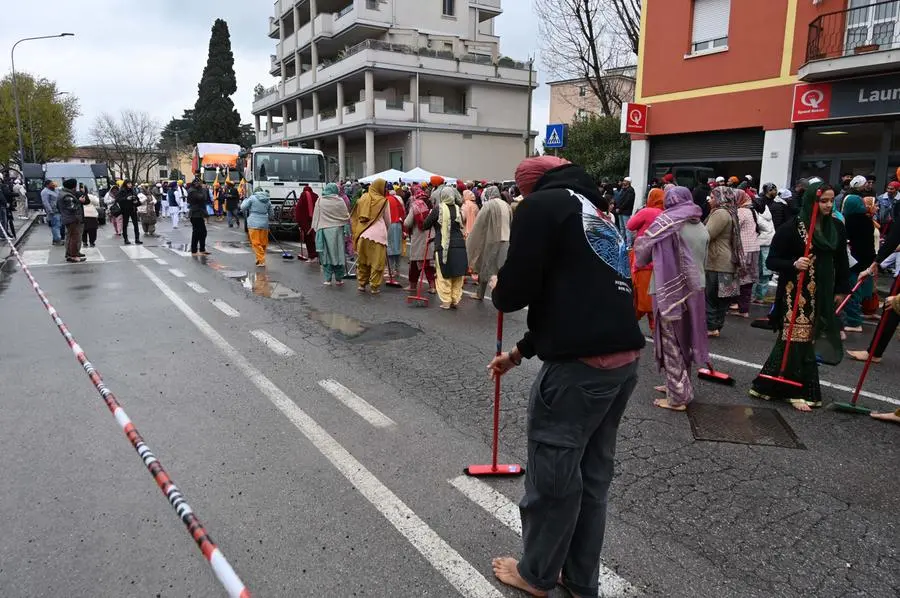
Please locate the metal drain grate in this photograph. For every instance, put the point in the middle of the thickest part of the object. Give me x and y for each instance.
(741, 424)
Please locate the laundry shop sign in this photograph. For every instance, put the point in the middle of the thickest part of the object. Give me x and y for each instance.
(865, 96)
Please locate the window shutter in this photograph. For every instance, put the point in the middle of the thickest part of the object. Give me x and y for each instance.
(710, 20)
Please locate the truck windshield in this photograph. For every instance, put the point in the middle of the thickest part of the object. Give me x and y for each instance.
(209, 175)
(289, 168)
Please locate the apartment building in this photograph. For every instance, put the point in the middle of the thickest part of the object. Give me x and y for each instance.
(572, 100)
(780, 89)
(378, 84)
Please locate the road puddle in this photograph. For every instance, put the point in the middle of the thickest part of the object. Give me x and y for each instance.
(261, 284)
(355, 331)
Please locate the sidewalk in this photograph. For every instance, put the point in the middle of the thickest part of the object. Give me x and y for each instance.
(23, 229)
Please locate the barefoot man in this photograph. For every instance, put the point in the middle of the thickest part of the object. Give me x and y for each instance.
(564, 263)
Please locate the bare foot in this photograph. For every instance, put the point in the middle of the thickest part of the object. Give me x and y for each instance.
(893, 416)
(862, 356)
(660, 388)
(712, 333)
(507, 571)
(665, 404)
(800, 405)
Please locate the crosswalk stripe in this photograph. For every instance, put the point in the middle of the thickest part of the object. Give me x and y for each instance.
(137, 252)
(225, 308)
(36, 257)
(359, 405)
(273, 343)
(92, 254)
(232, 250)
(507, 513)
(196, 287)
(161, 262)
(176, 272)
(180, 253)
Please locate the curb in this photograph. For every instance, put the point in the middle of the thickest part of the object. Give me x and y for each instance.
(23, 233)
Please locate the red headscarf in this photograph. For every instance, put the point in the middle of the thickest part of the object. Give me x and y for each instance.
(531, 170)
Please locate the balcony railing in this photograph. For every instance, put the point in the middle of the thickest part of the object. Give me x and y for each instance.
(855, 31)
(374, 44)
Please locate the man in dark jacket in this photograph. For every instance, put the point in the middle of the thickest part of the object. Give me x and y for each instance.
(780, 208)
(700, 194)
(71, 210)
(197, 198)
(563, 263)
(7, 205)
(232, 203)
(625, 205)
(128, 201)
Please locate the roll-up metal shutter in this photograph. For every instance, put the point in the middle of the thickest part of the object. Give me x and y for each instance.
(715, 146)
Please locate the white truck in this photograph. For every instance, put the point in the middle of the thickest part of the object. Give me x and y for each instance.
(284, 172)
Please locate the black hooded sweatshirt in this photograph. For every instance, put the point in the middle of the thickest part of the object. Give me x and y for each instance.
(579, 305)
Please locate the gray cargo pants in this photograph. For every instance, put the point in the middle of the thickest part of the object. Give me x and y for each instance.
(573, 418)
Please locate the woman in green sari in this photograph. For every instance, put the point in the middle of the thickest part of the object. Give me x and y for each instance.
(816, 336)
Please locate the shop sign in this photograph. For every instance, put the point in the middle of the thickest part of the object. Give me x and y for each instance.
(634, 118)
(865, 96)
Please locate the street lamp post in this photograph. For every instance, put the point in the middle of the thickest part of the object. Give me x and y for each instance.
(12, 58)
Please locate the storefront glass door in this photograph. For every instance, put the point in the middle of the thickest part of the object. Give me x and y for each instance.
(863, 166)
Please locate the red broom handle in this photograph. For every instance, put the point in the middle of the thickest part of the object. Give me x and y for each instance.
(497, 393)
(848, 297)
(881, 324)
(801, 279)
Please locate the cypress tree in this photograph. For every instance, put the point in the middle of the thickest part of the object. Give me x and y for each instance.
(215, 118)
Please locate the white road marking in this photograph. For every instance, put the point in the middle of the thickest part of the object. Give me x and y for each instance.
(138, 252)
(826, 383)
(273, 343)
(36, 257)
(180, 253)
(449, 563)
(362, 407)
(161, 262)
(507, 513)
(92, 254)
(196, 287)
(176, 272)
(232, 250)
(225, 308)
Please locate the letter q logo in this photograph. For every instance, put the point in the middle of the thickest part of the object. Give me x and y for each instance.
(812, 98)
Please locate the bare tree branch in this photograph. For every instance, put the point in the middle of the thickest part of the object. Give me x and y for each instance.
(589, 39)
(127, 144)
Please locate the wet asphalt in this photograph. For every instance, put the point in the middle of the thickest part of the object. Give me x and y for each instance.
(82, 517)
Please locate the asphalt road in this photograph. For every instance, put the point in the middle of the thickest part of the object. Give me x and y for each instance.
(321, 436)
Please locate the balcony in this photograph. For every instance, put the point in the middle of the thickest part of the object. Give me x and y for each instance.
(354, 113)
(856, 41)
(288, 46)
(442, 116)
(489, 8)
(274, 65)
(394, 110)
(267, 98)
(274, 28)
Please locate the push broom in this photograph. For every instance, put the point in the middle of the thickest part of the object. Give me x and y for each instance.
(852, 406)
(712, 375)
(495, 470)
(418, 300)
(801, 279)
(285, 255)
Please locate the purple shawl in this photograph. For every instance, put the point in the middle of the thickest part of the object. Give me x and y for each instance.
(678, 300)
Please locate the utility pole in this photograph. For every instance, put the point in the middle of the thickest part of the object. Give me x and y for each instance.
(528, 148)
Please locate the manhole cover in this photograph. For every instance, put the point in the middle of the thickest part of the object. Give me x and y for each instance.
(742, 425)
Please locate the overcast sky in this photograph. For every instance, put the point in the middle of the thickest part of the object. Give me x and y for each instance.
(149, 56)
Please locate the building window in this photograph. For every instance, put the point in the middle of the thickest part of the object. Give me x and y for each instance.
(163, 173)
(582, 91)
(449, 8)
(395, 158)
(710, 28)
(371, 4)
(581, 114)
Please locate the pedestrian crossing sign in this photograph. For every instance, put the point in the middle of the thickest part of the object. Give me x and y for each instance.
(556, 136)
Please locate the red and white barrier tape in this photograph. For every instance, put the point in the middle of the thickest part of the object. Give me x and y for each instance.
(220, 566)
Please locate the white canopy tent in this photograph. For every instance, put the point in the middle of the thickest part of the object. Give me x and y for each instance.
(420, 175)
(391, 176)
